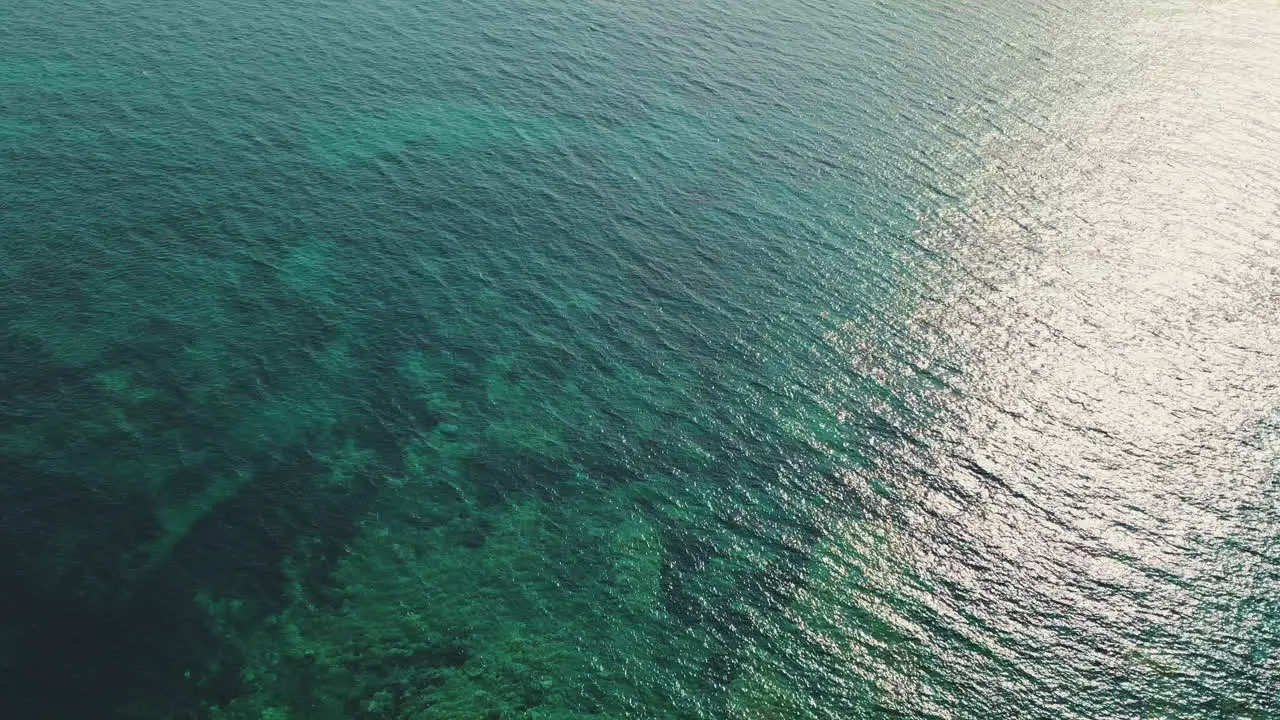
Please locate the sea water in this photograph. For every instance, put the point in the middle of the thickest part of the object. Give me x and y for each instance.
(724, 359)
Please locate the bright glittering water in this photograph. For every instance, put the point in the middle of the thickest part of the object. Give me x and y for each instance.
(506, 360)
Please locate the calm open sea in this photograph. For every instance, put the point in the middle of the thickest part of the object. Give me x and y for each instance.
(677, 359)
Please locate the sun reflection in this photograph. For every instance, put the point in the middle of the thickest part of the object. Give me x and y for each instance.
(1094, 470)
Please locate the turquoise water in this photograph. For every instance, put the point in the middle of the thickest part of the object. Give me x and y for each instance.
(708, 359)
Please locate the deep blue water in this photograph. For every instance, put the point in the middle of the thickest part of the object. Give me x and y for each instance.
(708, 359)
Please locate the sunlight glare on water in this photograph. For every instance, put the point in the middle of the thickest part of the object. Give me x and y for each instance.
(1093, 532)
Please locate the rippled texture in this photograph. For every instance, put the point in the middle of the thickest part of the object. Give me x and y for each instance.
(667, 360)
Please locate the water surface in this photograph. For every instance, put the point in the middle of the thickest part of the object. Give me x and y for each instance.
(667, 360)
